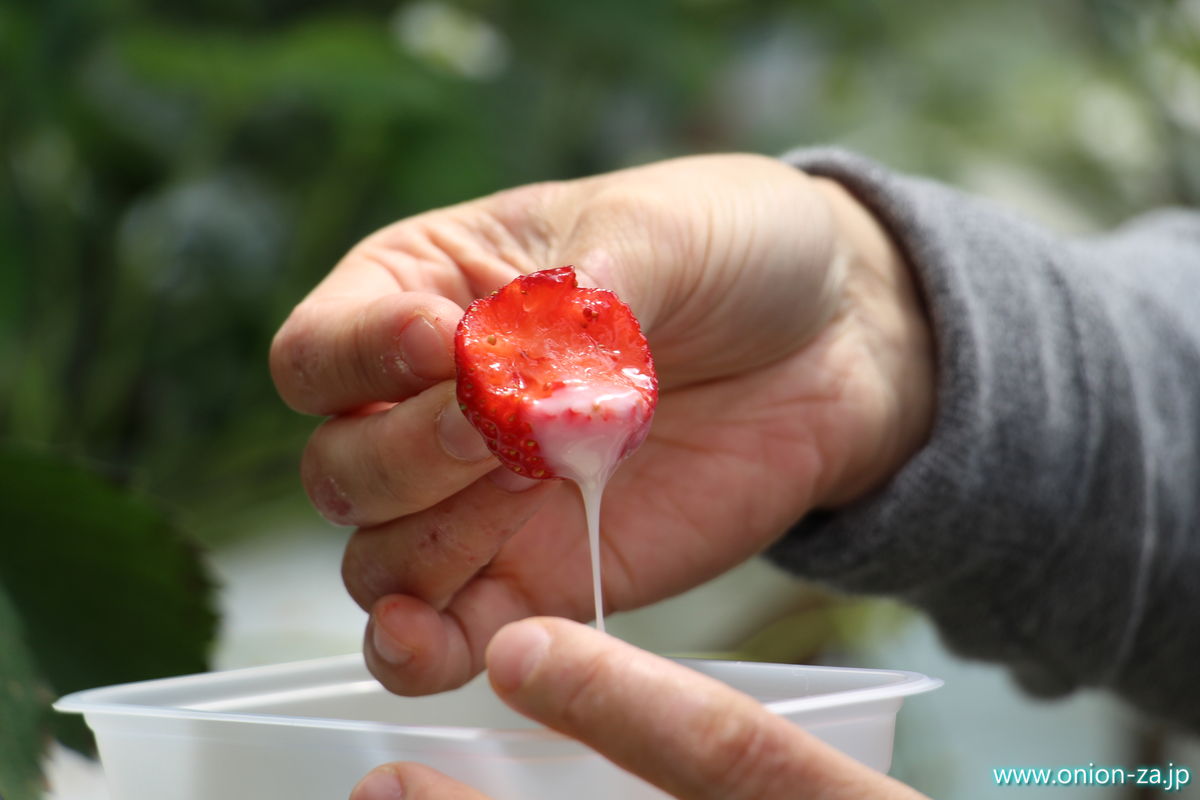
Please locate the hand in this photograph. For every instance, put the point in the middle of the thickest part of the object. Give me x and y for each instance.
(792, 351)
(687, 734)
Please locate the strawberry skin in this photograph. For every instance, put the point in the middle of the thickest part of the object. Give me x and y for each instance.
(540, 335)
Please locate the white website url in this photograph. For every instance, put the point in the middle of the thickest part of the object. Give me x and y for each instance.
(1170, 778)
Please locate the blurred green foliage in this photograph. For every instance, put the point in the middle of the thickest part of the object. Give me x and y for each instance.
(23, 704)
(177, 176)
(96, 587)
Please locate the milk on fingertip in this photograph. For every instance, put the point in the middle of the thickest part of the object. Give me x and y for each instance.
(583, 430)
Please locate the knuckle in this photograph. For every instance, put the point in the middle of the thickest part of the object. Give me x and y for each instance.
(589, 690)
(356, 362)
(526, 213)
(388, 466)
(624, 202)
(745, 759)
(516, 207)
(399, 458)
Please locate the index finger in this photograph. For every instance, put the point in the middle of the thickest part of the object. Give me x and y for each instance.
(340, 353)
(684, 732)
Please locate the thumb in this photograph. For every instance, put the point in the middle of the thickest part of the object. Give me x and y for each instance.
(683, 732)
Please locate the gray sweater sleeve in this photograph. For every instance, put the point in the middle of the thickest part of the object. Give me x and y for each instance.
(1052, 521)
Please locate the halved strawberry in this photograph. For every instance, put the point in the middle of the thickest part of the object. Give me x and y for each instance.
(555, 377)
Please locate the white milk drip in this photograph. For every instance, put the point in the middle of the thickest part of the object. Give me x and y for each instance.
(583, 429)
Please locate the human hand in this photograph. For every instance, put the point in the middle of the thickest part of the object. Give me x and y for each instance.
(795, 371)
(686, 733)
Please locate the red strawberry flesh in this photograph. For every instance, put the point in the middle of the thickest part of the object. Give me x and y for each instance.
(555, 377)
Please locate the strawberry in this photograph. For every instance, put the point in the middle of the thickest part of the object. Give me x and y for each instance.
(544, 365)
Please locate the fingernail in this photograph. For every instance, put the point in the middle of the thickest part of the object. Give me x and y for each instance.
(380, 784)
(515, 653)
(387, 647)
(510, 481)
(459, 438)
(424, 349)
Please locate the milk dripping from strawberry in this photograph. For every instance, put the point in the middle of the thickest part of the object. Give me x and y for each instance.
(584, 430)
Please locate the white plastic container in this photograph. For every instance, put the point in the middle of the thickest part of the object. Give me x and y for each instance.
(310, 730)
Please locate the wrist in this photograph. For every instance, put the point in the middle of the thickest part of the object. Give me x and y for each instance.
(885, 315)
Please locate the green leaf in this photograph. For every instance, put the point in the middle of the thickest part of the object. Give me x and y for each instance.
(23, 731)
(105, 587)
(343, 64)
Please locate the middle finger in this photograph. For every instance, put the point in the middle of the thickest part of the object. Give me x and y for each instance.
(367, 469)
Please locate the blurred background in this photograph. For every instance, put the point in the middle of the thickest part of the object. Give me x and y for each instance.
(175, 177)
